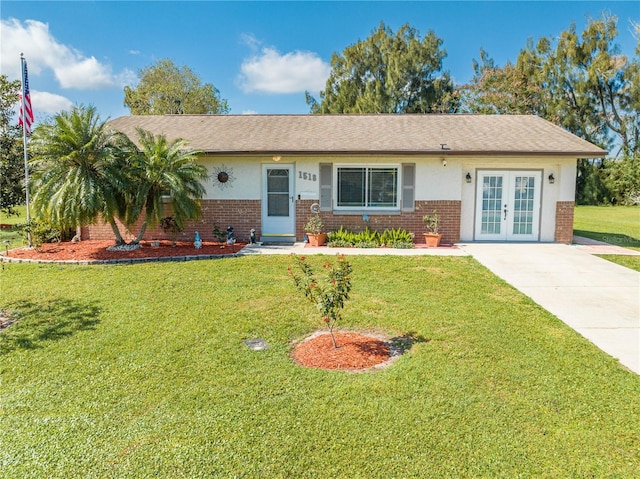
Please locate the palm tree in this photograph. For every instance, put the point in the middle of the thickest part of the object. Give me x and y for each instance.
(79, 169)
(165, 170)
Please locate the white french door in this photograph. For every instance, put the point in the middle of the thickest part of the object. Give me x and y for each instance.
(278, 212)
(508, 205)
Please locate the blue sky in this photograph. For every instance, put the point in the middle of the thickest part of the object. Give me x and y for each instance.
(262, 56)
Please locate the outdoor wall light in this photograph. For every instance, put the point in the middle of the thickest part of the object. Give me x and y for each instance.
(552, 179)
(277, 158)
(444, 162)
(468, 177)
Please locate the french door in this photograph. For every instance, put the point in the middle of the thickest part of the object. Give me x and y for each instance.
(278, 218)
(508, 205)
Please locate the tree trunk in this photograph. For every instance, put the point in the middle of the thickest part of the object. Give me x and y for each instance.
(143, 228)
(119, 240)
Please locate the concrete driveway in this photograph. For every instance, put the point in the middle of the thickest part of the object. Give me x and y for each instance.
(597, 298)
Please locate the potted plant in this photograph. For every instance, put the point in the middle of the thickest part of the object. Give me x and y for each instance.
(315, 231)
(432, 234)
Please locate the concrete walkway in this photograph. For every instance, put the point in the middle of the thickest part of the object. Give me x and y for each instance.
(302, 248)
(597, 298)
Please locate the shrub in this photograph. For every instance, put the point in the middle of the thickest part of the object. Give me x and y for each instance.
(43, 231)
(328, 293)
(170, 226)
(394, 238)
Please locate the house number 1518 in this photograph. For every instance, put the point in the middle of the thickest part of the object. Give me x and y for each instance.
(303, 175)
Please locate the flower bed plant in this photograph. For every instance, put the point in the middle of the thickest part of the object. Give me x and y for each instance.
(392, 238)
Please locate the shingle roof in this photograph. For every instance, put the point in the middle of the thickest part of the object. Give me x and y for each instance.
(370, 134)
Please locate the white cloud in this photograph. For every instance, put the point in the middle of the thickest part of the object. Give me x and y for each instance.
(45, 102)
(249, 112)
(71, 68)
(293, 72)
(251, 41)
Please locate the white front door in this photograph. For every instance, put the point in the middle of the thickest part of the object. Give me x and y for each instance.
(508, 205)
(278, 212)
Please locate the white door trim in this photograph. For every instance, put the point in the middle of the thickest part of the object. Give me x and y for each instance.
(281, 226)
(508, 205)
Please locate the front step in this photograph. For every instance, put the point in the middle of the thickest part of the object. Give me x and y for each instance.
(278, 238)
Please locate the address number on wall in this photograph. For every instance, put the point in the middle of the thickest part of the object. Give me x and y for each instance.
(303, 175)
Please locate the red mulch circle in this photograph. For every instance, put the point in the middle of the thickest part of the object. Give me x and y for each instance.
(97, 250)
(355, 351)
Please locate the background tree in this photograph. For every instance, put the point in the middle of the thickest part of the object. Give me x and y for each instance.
(166, 89)
(11, 149)
(388, 73)
(503, 90)
(580, 82)
(79, 168)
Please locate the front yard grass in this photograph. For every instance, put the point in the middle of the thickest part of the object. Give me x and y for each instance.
(10, 238)
(617, 225)
(141, 371)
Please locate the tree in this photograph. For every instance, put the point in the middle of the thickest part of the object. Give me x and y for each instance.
(164, 169)
(166, 89)
(11, 148)
(388, 73)
(580, 82)
(79, 170)
(503, 90)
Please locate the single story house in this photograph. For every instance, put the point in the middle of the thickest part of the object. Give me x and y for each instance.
(489, 177)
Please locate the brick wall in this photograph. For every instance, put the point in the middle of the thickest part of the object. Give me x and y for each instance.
(449, 212)
(246, 214)
(241, 214)
(564, 221)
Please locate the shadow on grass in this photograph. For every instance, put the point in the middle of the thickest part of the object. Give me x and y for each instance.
(32, 324)
(400, 344)
(612, 238)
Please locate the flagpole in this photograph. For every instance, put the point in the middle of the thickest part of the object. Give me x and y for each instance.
(26, 154)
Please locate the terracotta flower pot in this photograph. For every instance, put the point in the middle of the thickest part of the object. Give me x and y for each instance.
(316, 239)
(432, 239)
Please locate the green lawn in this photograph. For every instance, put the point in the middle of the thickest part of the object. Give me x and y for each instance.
(619, 225)
(11, 235)
(141, 371)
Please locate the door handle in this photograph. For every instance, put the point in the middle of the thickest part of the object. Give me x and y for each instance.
(505, 212)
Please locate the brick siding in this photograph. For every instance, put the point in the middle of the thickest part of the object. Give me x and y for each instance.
(244, 215)
(449, 212)
(564, 221)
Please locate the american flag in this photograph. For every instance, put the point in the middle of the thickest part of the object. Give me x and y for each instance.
(25, 117)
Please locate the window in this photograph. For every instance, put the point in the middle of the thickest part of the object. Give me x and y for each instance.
(367, 187)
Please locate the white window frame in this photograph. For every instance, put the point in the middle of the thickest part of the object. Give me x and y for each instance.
(396, 166)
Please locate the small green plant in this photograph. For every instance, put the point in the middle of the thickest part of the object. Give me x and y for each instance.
(329, 293)
(396, 238)
(393, 237)
(170, 226)
(43, 231)
(432, 222)
(220, 235)
(314, 225)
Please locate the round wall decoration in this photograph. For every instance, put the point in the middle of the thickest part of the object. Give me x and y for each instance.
(222, 176)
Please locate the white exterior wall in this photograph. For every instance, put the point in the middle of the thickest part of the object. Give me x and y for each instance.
(563, 189)
(433, 180)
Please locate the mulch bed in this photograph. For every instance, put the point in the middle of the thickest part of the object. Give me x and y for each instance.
(355, 351)
(97, 250)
